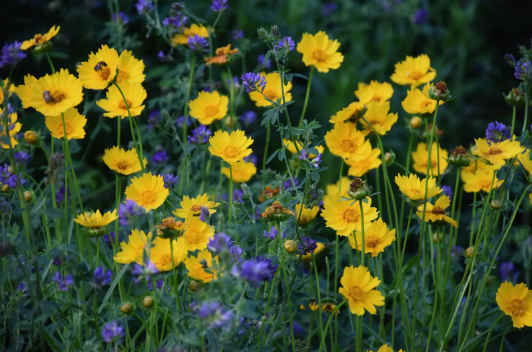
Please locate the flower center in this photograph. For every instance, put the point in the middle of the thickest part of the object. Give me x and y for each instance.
(376, 98)
(39, 38)
(348, 146)
(517, 307)
(372, 242)
(122, 76)
(231, 152)
(53, 96)
(270, 93)
(494, 151)
(438, 211)
(211, 111)
(68, 128)
(165, 259)
(424, 103)
(356, 294)
(351, 215)
(195, 207)
(193, 236)
(415, 191)
(122, 105)
(122, 165)
(319, 55)
(148, 197)
(414, 75)
(103, 71)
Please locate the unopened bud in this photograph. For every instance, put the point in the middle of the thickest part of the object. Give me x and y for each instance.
(358, 189)
(469, 252)
(10, 169)
(147, 302)
(389, 158)
(28, 196)
(438, 238)
(290, 246)
(194, 286)
(262, 33)
(5, 188)
(517, 96)
(275, 31)
(495, 204)
(126, 308)
(459, 157)
(416, 122)
(31, 137)
(440, 92)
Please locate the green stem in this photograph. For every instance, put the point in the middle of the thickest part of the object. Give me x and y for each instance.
(231, 97)
(306, 96)
(489, 332)
(333, 314)
(526, 108)
(513, 118)
(265, 156)
(230, 193)
(322, 334)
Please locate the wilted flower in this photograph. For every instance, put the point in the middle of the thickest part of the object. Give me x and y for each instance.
(112, 332)
(276, 212)
(63, 282)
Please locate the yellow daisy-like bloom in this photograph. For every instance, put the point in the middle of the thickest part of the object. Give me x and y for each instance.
(481, 180)
(208, 106)
(14, 128)
(497, 153)
(516, 301)
(130, 68)
(354, 111)
(378, 116)
(421, 158)
(182, 38)
(25, 91)
(74, 125)
(345, 141)
(114, 104)
(161, 253)
(100, 69)
(307, 215)
(133, 250)
(479, 165)
(377, 237)
(436, 212)
(40, 39)
(95, 221)
(320, 51)
(232, 148)
(380, 92)
(320, 247)
(418, 102)
(413, 71)
(192, 207)
(125, 162)
(524, 159)
(272, 90)
(292, 149)
(10, 91)
(358, 288)
(345, 218)
(332, 191)
(222, 55)
(54, 94)
(414, 188)
(196, 269)
(242, 171)
(148, 191)
(197, 233)
(359, 168)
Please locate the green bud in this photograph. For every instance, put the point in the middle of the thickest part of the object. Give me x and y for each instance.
(358, 189)
(495, 204)
(147, 302)
(440, 92)
(517, 96)
(459, 157)
(126, 308)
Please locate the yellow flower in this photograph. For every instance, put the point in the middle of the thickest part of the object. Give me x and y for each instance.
(40, 39)
(125, 162)
(320, 51)
(272, 90)
(242, 171)
(182, 38)
(74, 125)
(292, 149)
(436, 212)
(320, 247)
(95, 221)
(481, 179)
(380, 92)
(196, 269)
(524, 159)
(54, 94)
(376, 236)
(197, 233)
(478, 165)
(359, 168)
(130, 68)
(353, 112)
(418, 102)
(516, 301)
(358, 288)
(345, 141)
(192, 207)
(386, 348)
(114, 104)
(148, 191)
(230, 147)
(414, 188)
(378, 116)
(25, 91)
(421, 157)
(307, 215)
(345, 218)
(413, 71)
(497, 153)
(331, 191)
(100, 69)
(208, 106)
(222, 54)
(11, 90)
(161, 253)
(133, 250)
(14, 128)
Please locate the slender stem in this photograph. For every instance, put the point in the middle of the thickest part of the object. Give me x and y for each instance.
(306, 96)
(513, 118)
(265, 156)
(409, 153)
(363, 235)
(230, 193)
(504, 337)
(489, 332)
(322, 334)
(50, 61)
(289, 307)
(333, 314)
(526, 108)
(231, 97)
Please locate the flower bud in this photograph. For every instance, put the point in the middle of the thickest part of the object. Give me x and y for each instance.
(5, 188)
(27, 196)
(194, 286)
(31, 137)
(147, 302)
(459, 157)
(517, 96)
(275, 31)
(276, 212)
(495, 204)
(169, 228)
(126, 308)
(11, 169)
(358, 189)
(438, 238)
(231, 122)
(262, 33)
(439, 91)
(290, 246)
(470, 251)
(269, 193)
(416, 122)
(389, 158)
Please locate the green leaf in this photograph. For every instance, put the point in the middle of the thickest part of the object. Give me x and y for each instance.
(300, 76)
(113, 285)
(272, 156)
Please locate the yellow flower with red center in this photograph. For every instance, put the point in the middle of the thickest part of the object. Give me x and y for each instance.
(39, 40)
(125, 162)
(100, 69)
(242, 171)
(192, 207)
(135, 95)
(436, 213)
(209, 106)
(414, 188)
(182, 38)
(201, 267)
(516, 301)
(320, 51)
(222, 55)
(133, 250)
(376, 238)
(95, 221)
(344, 216)
(148, 191)
(161, 253)
(345, 141)
(272, 90)
(307, 215)
(418, 102)
(232, 148)
(359, 168)
(130, 68)
(378, 116)
(359, 289)
(74, 125)
(14, 128)
(421, 159)
(481, 180)
(498, 152)
(413, 71)
(380, 92)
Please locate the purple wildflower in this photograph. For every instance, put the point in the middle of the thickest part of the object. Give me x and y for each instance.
(447, 190)
(144, 272)
(120, 17)
(219, 243)
(153, 118)
(251, 158)
(5, 209)
(523, 70)
(176, 23)
(456, 251)
(497, 132)
(288, 183)
(112, 332)
(218, 5)
(158, 285)
(108, 237)
(507, 272)
(159, 157)
(11, 54)
(252, 81)
(248, 117)
(286, 43)
(255, 271)
(200, 135)
(214, 315)
(169, 180)
(237, 34)
(181, 120)
(15, 181)
(307, 245)
(101, 277)
(271, 234)
(165, 57)
(129, 211)
(22, 288)
(510, 59)
(237, 196)
(236, 253)
(316, 161)
(196, 42)
(22, 157)
(60, 193)
(204, 214)
(236, 82)
(63, 282)
(144, 6)
(263, 62)
(421, 16)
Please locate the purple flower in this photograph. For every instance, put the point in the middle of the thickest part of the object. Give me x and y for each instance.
(421, 16)
(286, 43)
(63, 282)
(144, 6)
(176, 23)
(60, 193)
(108, 237)
(101, 277)
(165, 57)
(11, 54)
(307, 245)
(120, 17)
(251, 158)
(236, 253)
(144, 272)
(237, 34)
(22, 288)
(237, 196)
(523, 70)
(15, 181)
(4, 173)
(263, 62)
(204, 214)
(214, 315)
(158, 285)
(255, 271)
(271, 234)
(153, 118)
(497, 132)
(508, 272)
(169, 180)
(129, 211)
(448, 191)
(248, 117)
(112, 332)
(328, 8)
(218, 5)
(196, 42)
(219, 243)
(288, 183)
(22, 157)
(456, 251)
(510, 59)
(181, 120)
(252, 81)
(316, 161)
(159, 157)
(6, 209)
(200, 135)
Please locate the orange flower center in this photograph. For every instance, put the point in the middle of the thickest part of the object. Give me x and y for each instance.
(165, 259)
(356, 293)
(372, 242)
(53, 96)
(351, 216)
(414, 75)
(424, 103)
(193, 236)
(122, 105)
(122, 165)
(494, 151)
(270, 93)
(211, 111)
(415, 191)
(348, 146)
(122, 76)
(516, 307)
(376, 98)
(39, 38)
(319, 55)
(231, 152)
(102, 70)
(438, 211)
(148, 197)
(195, 207)
(68, 128)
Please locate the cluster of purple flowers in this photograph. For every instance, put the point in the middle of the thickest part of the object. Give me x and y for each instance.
(165, 57)
(22, 157)
(170, 180)
(508, 272)
(237, 34)
(9, 178)
(286, 43)
(176, 23)
(181, 121)
(328, 8)
(219, 5)
(221, 242)
(11, 54)
(315, 162)
(307, 245)
(252, 81)
(248, 117)
(101, 277)
(262, 62)
(200, 135)
(255, 271)
(421, 16)
(237, 196)
(288, 184)
(108, 237)
(523, 67)
(447, 190)
(236, 82)
(112, 332)
(196, 42)
(60, 193)
(251, 158)
(63, 282)
(144, 6)
(272, 234)
(204, 214)
(159, 157)
(144, 272)
(497, 132)
(154, 117)
(120, 17)
(214, 315)
(129, 211)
